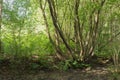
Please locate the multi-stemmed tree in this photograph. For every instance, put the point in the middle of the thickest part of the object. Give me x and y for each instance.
(78, 26)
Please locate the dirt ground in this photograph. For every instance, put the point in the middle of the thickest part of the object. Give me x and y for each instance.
(99, 73)
(21, 72)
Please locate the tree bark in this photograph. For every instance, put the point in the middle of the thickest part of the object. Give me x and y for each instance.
(56, 25)
(1, 51)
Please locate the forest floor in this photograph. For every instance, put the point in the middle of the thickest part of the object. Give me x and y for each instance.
(20, 73)
(98, 73)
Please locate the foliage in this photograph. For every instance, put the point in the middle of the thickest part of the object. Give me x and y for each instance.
(71, 31)
(86, 25)
(69, 64)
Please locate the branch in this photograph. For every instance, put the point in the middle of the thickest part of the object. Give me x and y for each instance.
(56, 25)
(109, 41)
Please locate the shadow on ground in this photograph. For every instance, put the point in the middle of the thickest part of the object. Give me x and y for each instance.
(99, 73)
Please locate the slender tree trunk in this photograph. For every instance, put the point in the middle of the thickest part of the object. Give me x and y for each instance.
(57, 27)
(56, 43)
(1, 51)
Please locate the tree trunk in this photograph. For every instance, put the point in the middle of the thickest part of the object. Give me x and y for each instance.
(1, 51)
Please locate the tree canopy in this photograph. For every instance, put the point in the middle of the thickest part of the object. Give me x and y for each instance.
(73, 31)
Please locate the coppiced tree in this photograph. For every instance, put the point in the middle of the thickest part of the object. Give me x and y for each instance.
(77, 26)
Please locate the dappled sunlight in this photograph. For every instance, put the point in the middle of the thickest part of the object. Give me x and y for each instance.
(59, 40)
